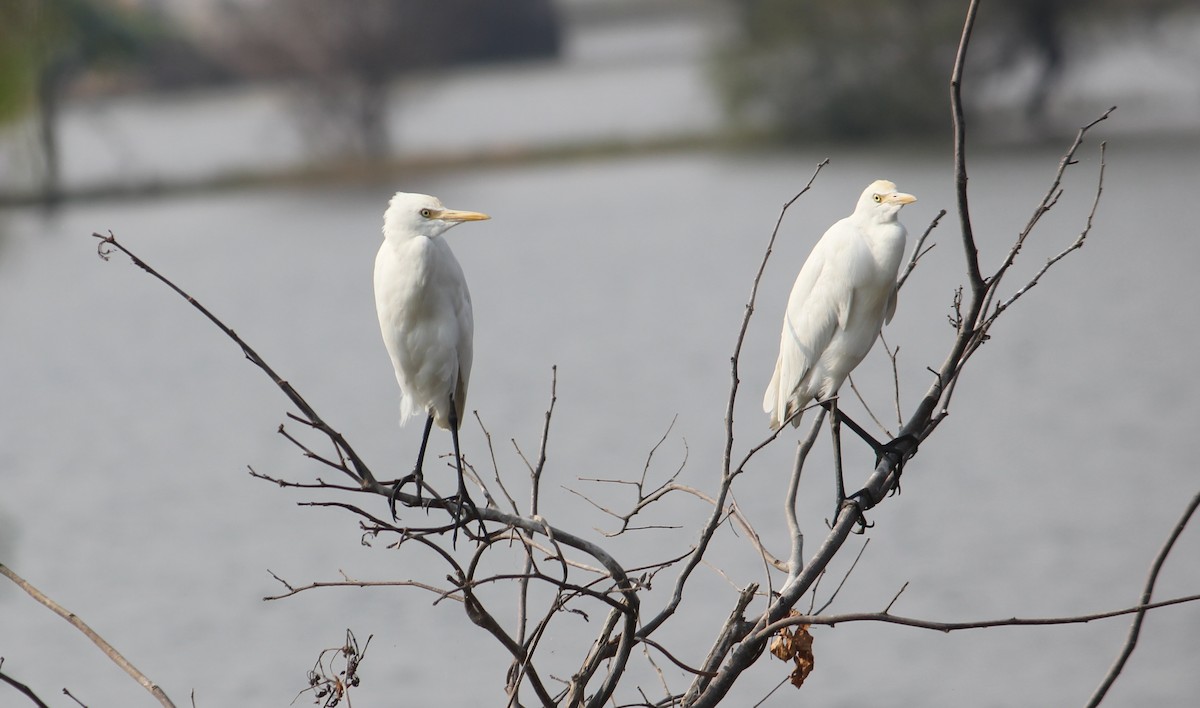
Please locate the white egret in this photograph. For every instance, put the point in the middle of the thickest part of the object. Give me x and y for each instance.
(844, 293)
(425, 316)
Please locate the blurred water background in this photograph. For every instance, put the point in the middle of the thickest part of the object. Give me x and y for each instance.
(626, 231)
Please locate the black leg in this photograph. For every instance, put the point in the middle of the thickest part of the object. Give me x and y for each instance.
(463, 499)
(831, 406)
(898, 449)
(417, 474)
(835, 431)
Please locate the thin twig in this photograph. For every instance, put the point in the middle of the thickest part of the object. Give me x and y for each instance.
(90, 633)
(866, 406)
(545, 440)
(26, 690)
(832, 620)
(512, 503)
(348, 583)
(845, 577)
(919, 249)
(893, 356)
(895, 597)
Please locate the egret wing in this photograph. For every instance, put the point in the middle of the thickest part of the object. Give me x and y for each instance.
(889, 310)
(820, 302)
(466, 351)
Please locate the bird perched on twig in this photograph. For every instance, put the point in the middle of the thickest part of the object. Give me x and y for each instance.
(844, 293)
(425, 317)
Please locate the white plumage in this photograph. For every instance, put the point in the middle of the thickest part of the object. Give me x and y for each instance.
(425, 317)
(424, 306)
(844, 293)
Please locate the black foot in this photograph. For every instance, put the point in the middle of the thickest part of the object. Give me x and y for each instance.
(898, 450)
(416, 478)
(462, 501)
(861, 501)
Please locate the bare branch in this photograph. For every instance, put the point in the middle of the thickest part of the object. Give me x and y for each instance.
(831, 620)
(328, 684)
(1076, 245)
(25, 690)
(483, 619)
(919, 249)
(895, 597)
(495, 467)
(90, 633)
(960, 154)
(845, 577)
(866, 406)
(732, 631)
(796, 555)
(1145, 604)
(662, 678)
(361, 472)
(650, 455)
(752, 535)
(741, 466)
(1051, 197)
(541, 461)
(291, 590)
(737, 349)
(894, 357)
(727, 474)
(675, 661)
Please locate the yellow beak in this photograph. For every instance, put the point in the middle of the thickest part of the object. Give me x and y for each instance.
(901, 198)
(456, 215)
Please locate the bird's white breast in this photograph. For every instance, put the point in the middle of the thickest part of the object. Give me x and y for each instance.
(425, 316)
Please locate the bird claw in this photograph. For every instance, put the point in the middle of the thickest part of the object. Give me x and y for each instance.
(460, 501)
(898, 450)
(416, 478)
(856, 500)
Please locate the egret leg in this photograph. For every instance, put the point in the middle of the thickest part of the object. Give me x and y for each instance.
(898, 449)
(417, 474)
(835, 432)
(463, 499)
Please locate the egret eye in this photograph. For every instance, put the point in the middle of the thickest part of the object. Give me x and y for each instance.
(428, 213)
(878, 198)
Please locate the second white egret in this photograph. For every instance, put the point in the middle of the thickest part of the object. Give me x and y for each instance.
(426, 319)
(844, 293)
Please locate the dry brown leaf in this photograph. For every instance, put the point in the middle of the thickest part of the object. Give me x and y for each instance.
(795, 644)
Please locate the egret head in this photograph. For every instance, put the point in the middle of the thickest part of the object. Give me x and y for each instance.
(410, 215)
(881, 201)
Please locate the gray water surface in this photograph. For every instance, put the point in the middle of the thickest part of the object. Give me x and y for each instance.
(129, 422)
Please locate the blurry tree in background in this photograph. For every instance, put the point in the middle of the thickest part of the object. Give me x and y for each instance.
(803, 68)
(43, 43)
(47, 46)
(342, 57)
(339, 57)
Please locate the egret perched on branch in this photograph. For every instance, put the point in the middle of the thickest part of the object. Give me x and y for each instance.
(425, 316)
(844, 293)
